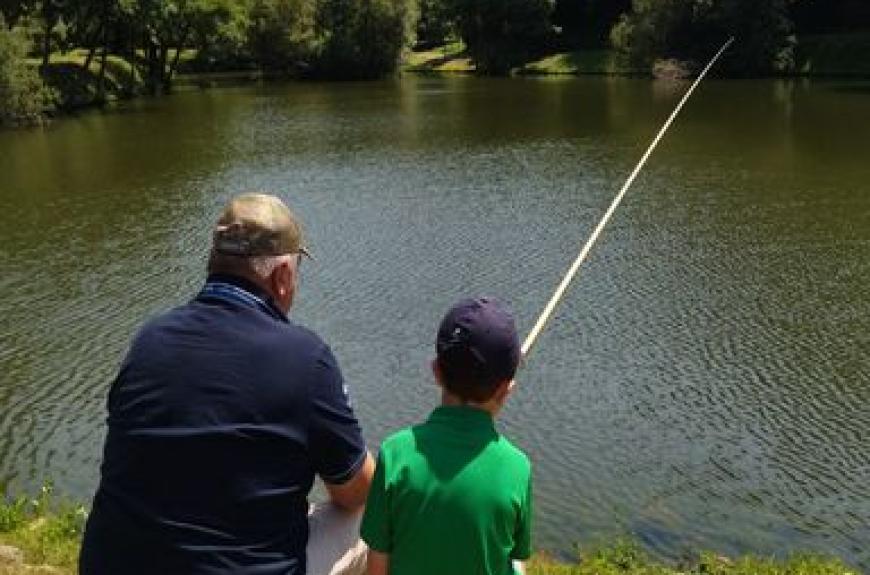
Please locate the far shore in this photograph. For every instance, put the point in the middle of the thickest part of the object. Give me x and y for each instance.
(835, 56)
(823, 56)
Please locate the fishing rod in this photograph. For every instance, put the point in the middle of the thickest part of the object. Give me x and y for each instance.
(572, 271)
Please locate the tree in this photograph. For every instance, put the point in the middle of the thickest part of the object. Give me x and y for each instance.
(166, 27)
(823, 16)
(280, 34)
(501, 34)
(23, 97)
(691, 30)
(436, 22)
(13, 10)
(587, 23)
(360, 39)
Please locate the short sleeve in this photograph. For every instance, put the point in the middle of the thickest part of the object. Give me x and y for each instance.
(523, 534)
(376, 529)
(335, 439)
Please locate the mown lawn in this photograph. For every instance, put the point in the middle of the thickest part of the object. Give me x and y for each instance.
(450, 57)
(581, 62)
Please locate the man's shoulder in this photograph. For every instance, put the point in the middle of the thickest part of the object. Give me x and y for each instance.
(257, 331)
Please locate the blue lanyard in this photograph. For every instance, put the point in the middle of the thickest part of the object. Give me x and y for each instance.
(235, 294)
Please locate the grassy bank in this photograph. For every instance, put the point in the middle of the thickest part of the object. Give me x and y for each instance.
(40, 536)
(822, 56)
(450, 57)
(453, 58)
(75, 83)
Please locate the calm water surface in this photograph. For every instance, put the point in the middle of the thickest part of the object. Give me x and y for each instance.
(706, 383)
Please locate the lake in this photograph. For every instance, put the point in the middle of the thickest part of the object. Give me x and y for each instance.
(704, 384)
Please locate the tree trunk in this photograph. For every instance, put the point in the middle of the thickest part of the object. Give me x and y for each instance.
(164, 81)
(90, 58)
(131, 87)
(46, 46)
(101, 80)
(154, 57)
(171, 72)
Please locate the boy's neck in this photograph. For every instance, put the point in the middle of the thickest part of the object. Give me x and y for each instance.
(492, 406)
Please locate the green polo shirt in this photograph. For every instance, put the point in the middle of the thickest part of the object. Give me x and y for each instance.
(450, 496)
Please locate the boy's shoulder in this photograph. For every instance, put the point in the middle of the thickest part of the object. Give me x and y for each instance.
(400, 437)
(405, 440)
(514, 452)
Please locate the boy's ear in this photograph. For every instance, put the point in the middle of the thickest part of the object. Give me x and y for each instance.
(436, 371)
(503, 390)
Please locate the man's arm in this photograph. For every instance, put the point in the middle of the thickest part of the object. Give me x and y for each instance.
(351, 495)
(378, 563)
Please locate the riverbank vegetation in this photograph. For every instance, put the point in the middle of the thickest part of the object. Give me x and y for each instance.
(40, 535)
(57, 55)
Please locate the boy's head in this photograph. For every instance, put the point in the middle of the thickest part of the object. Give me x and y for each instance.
(478, 349)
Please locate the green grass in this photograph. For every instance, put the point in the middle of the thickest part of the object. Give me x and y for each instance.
(49, 533)
(828, 55)
(627, 558)
(581, 62)
(76, 87)
(450, 57)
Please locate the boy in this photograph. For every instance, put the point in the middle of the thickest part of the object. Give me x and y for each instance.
(451, 496)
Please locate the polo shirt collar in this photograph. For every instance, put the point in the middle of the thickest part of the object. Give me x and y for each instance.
(463, 416)
(240, 290)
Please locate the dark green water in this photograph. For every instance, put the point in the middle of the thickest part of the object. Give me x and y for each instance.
(706, 383)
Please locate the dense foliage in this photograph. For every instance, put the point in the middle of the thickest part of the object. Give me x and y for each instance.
(501, 34)
(23, 98)
(436, 22)
(163, 28)
(280, 34)
(691, 30)
(123, 47)
(362, 38)
(587, 23)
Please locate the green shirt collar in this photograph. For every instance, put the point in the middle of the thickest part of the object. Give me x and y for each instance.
(463, 416)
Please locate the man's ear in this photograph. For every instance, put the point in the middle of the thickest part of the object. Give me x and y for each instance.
(277, 280)
(283, 283)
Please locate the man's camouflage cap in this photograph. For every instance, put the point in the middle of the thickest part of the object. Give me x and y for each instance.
(256, 224)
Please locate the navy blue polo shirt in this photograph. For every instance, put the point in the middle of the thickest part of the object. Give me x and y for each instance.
(221, 415)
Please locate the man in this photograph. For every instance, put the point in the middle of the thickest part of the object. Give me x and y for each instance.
(220, 417)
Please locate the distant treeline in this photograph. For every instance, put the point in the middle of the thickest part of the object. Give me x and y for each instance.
(500, 34)
(356, 39)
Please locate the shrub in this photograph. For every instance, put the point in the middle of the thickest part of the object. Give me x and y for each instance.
(23, 97)
(281, 33)
(501, 34)
(361, 39)
(693, 29)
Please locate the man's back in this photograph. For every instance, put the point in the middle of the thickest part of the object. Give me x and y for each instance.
(220, 417)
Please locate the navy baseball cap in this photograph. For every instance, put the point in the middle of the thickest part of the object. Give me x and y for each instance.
(479, 336)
